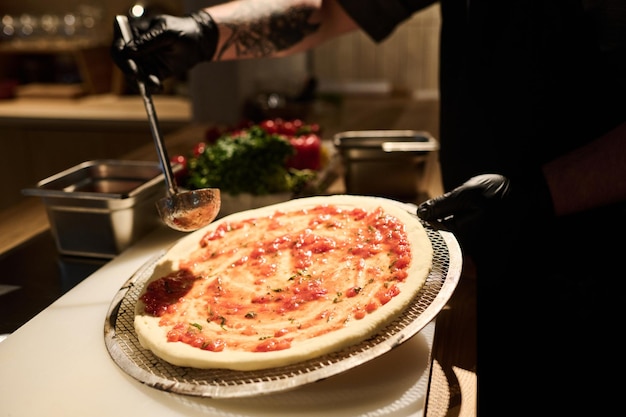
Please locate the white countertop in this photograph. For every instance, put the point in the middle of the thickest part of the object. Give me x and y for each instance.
(57, 364)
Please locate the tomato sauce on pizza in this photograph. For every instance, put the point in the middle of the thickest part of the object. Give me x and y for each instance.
(272, 282)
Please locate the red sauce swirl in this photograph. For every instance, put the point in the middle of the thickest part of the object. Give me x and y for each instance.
(262, 284)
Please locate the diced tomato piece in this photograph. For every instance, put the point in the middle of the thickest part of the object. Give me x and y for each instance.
(182, 161)
(308, 152)
(297, 124)
(270, 345)
(269, 126)
(199, 148)
(288, 128)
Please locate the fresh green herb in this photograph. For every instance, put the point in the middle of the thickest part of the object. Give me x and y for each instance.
(251, 161)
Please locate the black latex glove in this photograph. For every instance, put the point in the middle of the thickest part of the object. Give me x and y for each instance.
(165, 45)
(493, 217)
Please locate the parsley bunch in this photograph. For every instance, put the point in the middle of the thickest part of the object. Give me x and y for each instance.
(249, 161)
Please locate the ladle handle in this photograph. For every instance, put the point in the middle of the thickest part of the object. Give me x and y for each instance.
(127, 35)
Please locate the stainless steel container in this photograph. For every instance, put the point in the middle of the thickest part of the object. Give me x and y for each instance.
(99, 208)
(385, 163)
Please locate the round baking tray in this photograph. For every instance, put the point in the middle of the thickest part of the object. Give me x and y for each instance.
(125, 349)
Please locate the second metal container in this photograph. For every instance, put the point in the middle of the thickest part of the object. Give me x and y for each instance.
(385, 163)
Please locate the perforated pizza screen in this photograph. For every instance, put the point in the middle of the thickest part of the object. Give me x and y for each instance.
(140, 363)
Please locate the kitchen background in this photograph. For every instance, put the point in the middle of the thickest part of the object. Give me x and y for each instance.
(64, 102)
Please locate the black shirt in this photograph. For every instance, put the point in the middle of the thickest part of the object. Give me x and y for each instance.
(521, 82)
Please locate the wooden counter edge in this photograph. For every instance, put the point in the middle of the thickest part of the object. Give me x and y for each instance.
(21, 222)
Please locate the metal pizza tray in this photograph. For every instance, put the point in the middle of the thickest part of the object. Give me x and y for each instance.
(125, 349)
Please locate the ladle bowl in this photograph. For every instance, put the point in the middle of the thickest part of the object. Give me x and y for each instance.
(189, 210)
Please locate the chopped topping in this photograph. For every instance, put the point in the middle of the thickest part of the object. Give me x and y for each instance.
(265, 283)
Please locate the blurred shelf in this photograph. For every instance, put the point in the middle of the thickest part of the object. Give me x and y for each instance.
(92, 58)
(173, 111)
(49, 45)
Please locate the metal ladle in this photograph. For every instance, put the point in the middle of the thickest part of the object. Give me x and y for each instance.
(184, 211)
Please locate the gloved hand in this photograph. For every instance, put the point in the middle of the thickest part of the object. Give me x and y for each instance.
(493, 216)
(165, 45)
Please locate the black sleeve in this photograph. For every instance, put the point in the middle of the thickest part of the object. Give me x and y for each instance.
(378, 18)
(609, 21)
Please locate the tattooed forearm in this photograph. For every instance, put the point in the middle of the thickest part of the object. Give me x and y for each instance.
(268, 34)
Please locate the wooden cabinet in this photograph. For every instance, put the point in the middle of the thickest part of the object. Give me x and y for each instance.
(34, 62)
(41, 137)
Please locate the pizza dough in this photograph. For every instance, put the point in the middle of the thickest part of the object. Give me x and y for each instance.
(282, 284)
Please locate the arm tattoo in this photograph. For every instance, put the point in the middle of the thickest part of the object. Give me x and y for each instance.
(269, 33)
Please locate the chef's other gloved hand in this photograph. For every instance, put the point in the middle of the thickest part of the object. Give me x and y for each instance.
(164, 45)
(493, 216)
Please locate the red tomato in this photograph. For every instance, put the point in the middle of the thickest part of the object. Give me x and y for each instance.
(182, 160)
(297, 123)
(315, 128)
(288, 128)
(199, 148)
(179, 159)
(308, 152)
(269, 126)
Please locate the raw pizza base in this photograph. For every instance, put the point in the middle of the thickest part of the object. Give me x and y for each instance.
(152, 336)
